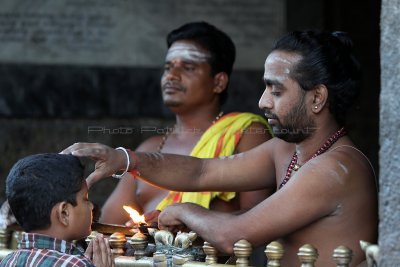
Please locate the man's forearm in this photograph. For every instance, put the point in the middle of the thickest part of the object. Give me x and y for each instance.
(174, 172)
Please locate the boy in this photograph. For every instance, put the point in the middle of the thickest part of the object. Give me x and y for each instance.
(48, 195)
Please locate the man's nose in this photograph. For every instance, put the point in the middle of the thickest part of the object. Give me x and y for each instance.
(265, 101)
(172, 74)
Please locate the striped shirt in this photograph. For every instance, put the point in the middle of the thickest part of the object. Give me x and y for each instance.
(35, 250)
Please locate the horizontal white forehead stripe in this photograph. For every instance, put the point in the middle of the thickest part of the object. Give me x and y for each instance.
(187, 52)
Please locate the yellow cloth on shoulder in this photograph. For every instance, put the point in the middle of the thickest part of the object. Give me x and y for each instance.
(219, 140)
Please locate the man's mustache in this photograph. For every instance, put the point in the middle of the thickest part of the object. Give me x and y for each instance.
(174, 85)
(270, 115)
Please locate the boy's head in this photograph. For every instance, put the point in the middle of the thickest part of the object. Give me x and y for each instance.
(44, 190)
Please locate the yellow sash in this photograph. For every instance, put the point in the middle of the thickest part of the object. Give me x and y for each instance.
(219, 140)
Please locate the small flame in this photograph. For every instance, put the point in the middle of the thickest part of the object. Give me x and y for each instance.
(135, 216)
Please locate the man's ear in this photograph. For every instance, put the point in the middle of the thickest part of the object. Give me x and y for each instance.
(320, 97)
(62, 213)
(220, 82)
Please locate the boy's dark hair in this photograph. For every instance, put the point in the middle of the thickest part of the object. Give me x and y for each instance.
(37, 182)
(215, 41)
(327, 59)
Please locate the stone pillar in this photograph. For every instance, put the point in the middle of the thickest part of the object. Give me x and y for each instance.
(389, 196)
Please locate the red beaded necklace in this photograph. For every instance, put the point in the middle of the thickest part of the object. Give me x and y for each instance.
(293, 166)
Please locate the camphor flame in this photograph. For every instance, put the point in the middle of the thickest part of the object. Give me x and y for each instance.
(135, 216)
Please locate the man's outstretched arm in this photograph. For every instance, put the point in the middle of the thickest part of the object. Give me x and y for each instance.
(243, 172)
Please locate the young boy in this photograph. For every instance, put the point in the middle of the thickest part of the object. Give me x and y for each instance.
(48, 195)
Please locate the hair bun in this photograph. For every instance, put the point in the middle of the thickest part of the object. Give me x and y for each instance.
(344, 39)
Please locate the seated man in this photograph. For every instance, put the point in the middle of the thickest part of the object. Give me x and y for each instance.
(324, 183)
(48, 195)
(194, 85)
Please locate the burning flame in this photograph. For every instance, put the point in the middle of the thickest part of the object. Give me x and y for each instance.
(135, 216)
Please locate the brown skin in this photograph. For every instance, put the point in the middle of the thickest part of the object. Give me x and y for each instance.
(330, 201)
(192, 94)
(70, 223)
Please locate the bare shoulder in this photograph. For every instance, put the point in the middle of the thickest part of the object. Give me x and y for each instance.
(343, 167)
(338, 179)
(349, 160)
(349, 150)
(150, 145)
(258, 128)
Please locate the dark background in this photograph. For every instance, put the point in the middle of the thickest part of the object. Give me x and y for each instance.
(46, 108)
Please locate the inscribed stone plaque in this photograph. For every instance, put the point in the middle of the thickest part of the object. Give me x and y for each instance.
(129, 33)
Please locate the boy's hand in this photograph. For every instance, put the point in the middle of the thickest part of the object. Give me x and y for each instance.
(99, 252)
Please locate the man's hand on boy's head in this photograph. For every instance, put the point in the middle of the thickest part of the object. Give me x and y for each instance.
(99, 252)
(108, 160)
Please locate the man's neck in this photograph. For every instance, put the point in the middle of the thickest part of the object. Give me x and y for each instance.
(197, 120)
(307, 148)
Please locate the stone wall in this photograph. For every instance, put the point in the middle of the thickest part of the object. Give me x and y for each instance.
(129, 33)
(22, 137)
(77, 70)
(389, 197)
(46, 106)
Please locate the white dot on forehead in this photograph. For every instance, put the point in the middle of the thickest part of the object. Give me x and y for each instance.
(186, 52)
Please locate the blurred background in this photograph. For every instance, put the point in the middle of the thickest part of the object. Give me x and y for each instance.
(89, 70)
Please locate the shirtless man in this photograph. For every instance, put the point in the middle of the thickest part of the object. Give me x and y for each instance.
(326, 194)
(194, 85)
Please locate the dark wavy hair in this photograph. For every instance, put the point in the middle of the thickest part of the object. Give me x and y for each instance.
(212, 39)
(37, 182)
(328, 59)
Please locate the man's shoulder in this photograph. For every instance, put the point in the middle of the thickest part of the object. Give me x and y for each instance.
(245, 116)
(344, 164)
(343, 155)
